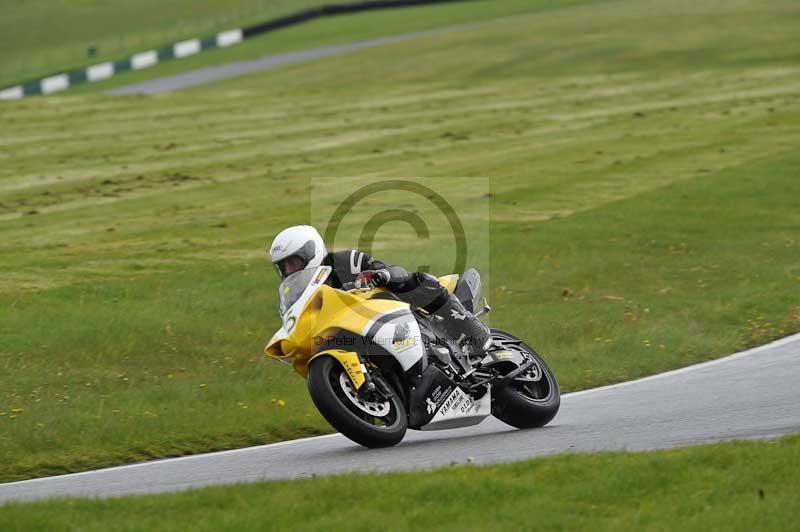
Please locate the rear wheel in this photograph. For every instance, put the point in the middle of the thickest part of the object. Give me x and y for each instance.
(369, 421)
(533, 398)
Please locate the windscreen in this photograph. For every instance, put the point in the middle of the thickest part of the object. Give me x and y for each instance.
(293, 287)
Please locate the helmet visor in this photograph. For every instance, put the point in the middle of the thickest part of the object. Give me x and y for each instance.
(290, 265)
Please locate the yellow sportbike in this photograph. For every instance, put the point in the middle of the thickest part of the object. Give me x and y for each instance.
(376, 367)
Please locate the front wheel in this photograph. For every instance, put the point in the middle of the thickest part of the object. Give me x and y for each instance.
(533, 398)
(369, 422)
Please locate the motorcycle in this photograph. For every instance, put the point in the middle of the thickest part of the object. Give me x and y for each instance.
(376, 366)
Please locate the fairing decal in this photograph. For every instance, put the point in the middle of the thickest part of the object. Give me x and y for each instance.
(398, 333)
(460, 410)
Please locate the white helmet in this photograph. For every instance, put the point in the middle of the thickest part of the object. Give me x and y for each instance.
(297, 248)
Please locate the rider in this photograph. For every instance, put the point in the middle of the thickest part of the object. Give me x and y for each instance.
(301, 247)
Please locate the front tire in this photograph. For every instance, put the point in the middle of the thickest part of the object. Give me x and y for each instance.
(527, 403)
(370, 424)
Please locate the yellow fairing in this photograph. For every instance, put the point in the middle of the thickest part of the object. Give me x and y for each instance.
(326, 314)
(349, 361)
(449, 282)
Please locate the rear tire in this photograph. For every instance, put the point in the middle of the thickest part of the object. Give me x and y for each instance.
(526, 405)
(337, 407)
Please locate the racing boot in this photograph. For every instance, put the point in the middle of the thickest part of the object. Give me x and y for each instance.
(467, 334)
(471, 335)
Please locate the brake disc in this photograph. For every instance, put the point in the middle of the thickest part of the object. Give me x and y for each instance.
(370, 407)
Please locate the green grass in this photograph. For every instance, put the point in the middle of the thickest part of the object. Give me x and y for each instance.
(41, 38)
(119, 29)
(641, 216)
(730, 486)
(339, 30)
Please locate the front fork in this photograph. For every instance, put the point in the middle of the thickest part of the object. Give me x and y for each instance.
(364, 381)
(351, 363)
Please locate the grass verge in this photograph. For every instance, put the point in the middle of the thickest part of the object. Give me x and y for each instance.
(119, 29)
(727, 486)
(339, 30)
(38, 39)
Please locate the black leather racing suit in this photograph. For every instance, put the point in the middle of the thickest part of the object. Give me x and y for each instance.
(418, 289)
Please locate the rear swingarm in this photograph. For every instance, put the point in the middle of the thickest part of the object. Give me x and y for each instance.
(498, 381)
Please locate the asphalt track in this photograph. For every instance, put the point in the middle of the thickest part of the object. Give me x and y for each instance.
(267, 62)
(753, 394)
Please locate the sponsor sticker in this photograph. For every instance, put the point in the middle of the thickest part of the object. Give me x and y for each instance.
(353, 370)
(436, 398)
(430, 405)
(457, 315)
(458, 402)
(402, 339)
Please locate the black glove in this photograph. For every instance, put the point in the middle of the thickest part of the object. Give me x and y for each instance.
(372, 278)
